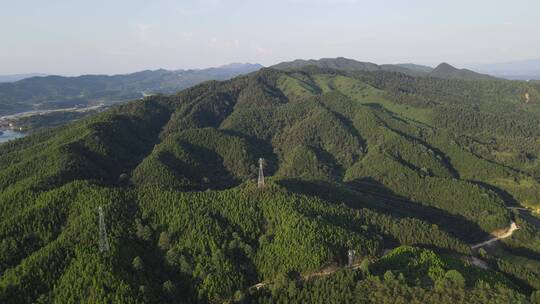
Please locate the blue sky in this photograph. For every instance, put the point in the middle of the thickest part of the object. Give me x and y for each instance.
(118, 36)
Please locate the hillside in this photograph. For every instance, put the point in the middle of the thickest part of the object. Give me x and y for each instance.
(52, 92)
(406, 171)
(444, 70)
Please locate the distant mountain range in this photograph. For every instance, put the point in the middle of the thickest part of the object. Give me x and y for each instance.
(52, 92)
(17, 77)
(416, 67)
(345, 64)
(444, 70)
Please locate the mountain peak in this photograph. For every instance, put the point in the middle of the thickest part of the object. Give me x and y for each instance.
(447, 71)
(445, 65)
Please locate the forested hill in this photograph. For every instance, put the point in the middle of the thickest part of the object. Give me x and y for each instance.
(345, 64)
(50, 92)
(407, 172)
(443, 70)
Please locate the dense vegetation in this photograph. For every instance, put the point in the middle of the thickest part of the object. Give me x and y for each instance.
(406, 275)
(354, 160)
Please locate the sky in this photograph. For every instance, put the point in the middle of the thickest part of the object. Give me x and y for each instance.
(72, 37)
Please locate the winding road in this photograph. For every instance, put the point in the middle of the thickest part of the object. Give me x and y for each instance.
(513, 227)
(476, 261)
(508, 233)
(326, 271)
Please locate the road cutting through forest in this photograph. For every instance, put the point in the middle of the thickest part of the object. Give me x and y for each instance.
(507, 234)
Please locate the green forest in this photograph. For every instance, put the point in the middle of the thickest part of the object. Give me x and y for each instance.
(377, 185)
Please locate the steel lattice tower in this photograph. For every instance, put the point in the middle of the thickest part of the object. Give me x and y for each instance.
(350, 255)
(103, 241)
(260, 182)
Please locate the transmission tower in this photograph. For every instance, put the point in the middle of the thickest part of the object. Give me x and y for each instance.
(260, 182)
(350, 255)
(103, 241)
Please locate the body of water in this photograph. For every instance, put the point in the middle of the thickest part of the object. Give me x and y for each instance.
(9, 135)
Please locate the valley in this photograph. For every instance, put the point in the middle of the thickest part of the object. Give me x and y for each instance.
(59, 100)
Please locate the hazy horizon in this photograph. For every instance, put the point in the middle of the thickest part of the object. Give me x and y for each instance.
(99, 37)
